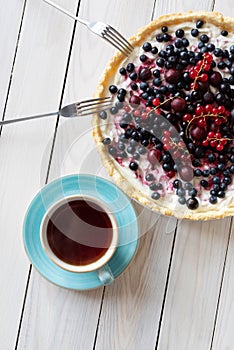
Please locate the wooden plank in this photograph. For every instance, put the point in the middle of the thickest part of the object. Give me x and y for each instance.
(197, 264)
(36, 87)
(89, 57)
(223, 332)
(12, 12)
(194, 285)
(132, 306)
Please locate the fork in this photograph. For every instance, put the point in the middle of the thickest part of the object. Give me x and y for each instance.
(105, 31)
(78, 109)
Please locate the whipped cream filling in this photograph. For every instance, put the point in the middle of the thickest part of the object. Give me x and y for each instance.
(168, 197)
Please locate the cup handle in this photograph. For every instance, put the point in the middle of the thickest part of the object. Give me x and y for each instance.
(105, 275)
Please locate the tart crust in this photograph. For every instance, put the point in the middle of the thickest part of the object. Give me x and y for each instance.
(218, 210)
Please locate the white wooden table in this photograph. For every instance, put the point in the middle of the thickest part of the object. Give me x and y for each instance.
(178, 293)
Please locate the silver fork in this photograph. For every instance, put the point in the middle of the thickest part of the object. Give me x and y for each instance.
(105, 31)
(78, 109)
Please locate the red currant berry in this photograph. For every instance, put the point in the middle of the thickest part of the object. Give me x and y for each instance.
(192, 74)
(199, 110)
(213, 143)
(127, 109)
(219, 147)
(137, 113)
(203, 77)
(215, 111)
(167, 133)
(208, 108)
(202, 122)
(218, 121)
(205, 143)
(156, 102)
(187, 117)
(221, 109)
(211, 134)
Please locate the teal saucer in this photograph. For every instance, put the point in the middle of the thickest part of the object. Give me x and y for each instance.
(105, 191)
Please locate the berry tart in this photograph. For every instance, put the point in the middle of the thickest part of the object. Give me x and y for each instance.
(168, 139)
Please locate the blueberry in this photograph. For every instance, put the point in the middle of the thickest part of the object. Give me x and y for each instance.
(185, 42)
(134, 86)
(194, 32)
(213, 199)
(133, 76)
(147, 47)
(133, 166)
(192, 192)
(216, 180)
(136, 156)
(188, 186)
(192, 203)
(206, 172)
(113, 89)
(160, 62)
(179, 33)
(211, 158)
(177, 183)
(112, 150)
(180, 192)
(224, 33)
(164, 29)
(227, 180)
(155, 195)
(221, 194)
(142, 150)
(156, 73)
(144, 86)
(199, 23)
(149, 177)
(143, 58)
(103, 115)
(122, 92)
(182, 200)
(154, 50)
(204, 183)
(218, 52)
(122, 71)
(204, 38)
(197, 172)
(113, 110)
(153, 186)
(130, 67)
(159, 37)
(106, 141)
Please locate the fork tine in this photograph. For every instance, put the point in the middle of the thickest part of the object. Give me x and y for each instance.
(117, 41)
(93, 110)
(114, 43)
(93, 102)
(123, 39)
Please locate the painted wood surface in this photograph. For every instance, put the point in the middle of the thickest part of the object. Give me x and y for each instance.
(178, 292)
(36, 87)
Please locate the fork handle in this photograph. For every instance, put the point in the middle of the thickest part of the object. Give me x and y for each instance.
(11, 121)
(66, 12)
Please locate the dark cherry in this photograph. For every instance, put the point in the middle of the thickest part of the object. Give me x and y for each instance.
(215, 78)
(144, 74)
(197, 133)
(173, 76)
(134, 100)
(154, 156)
(186, 173)
(178, 104)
